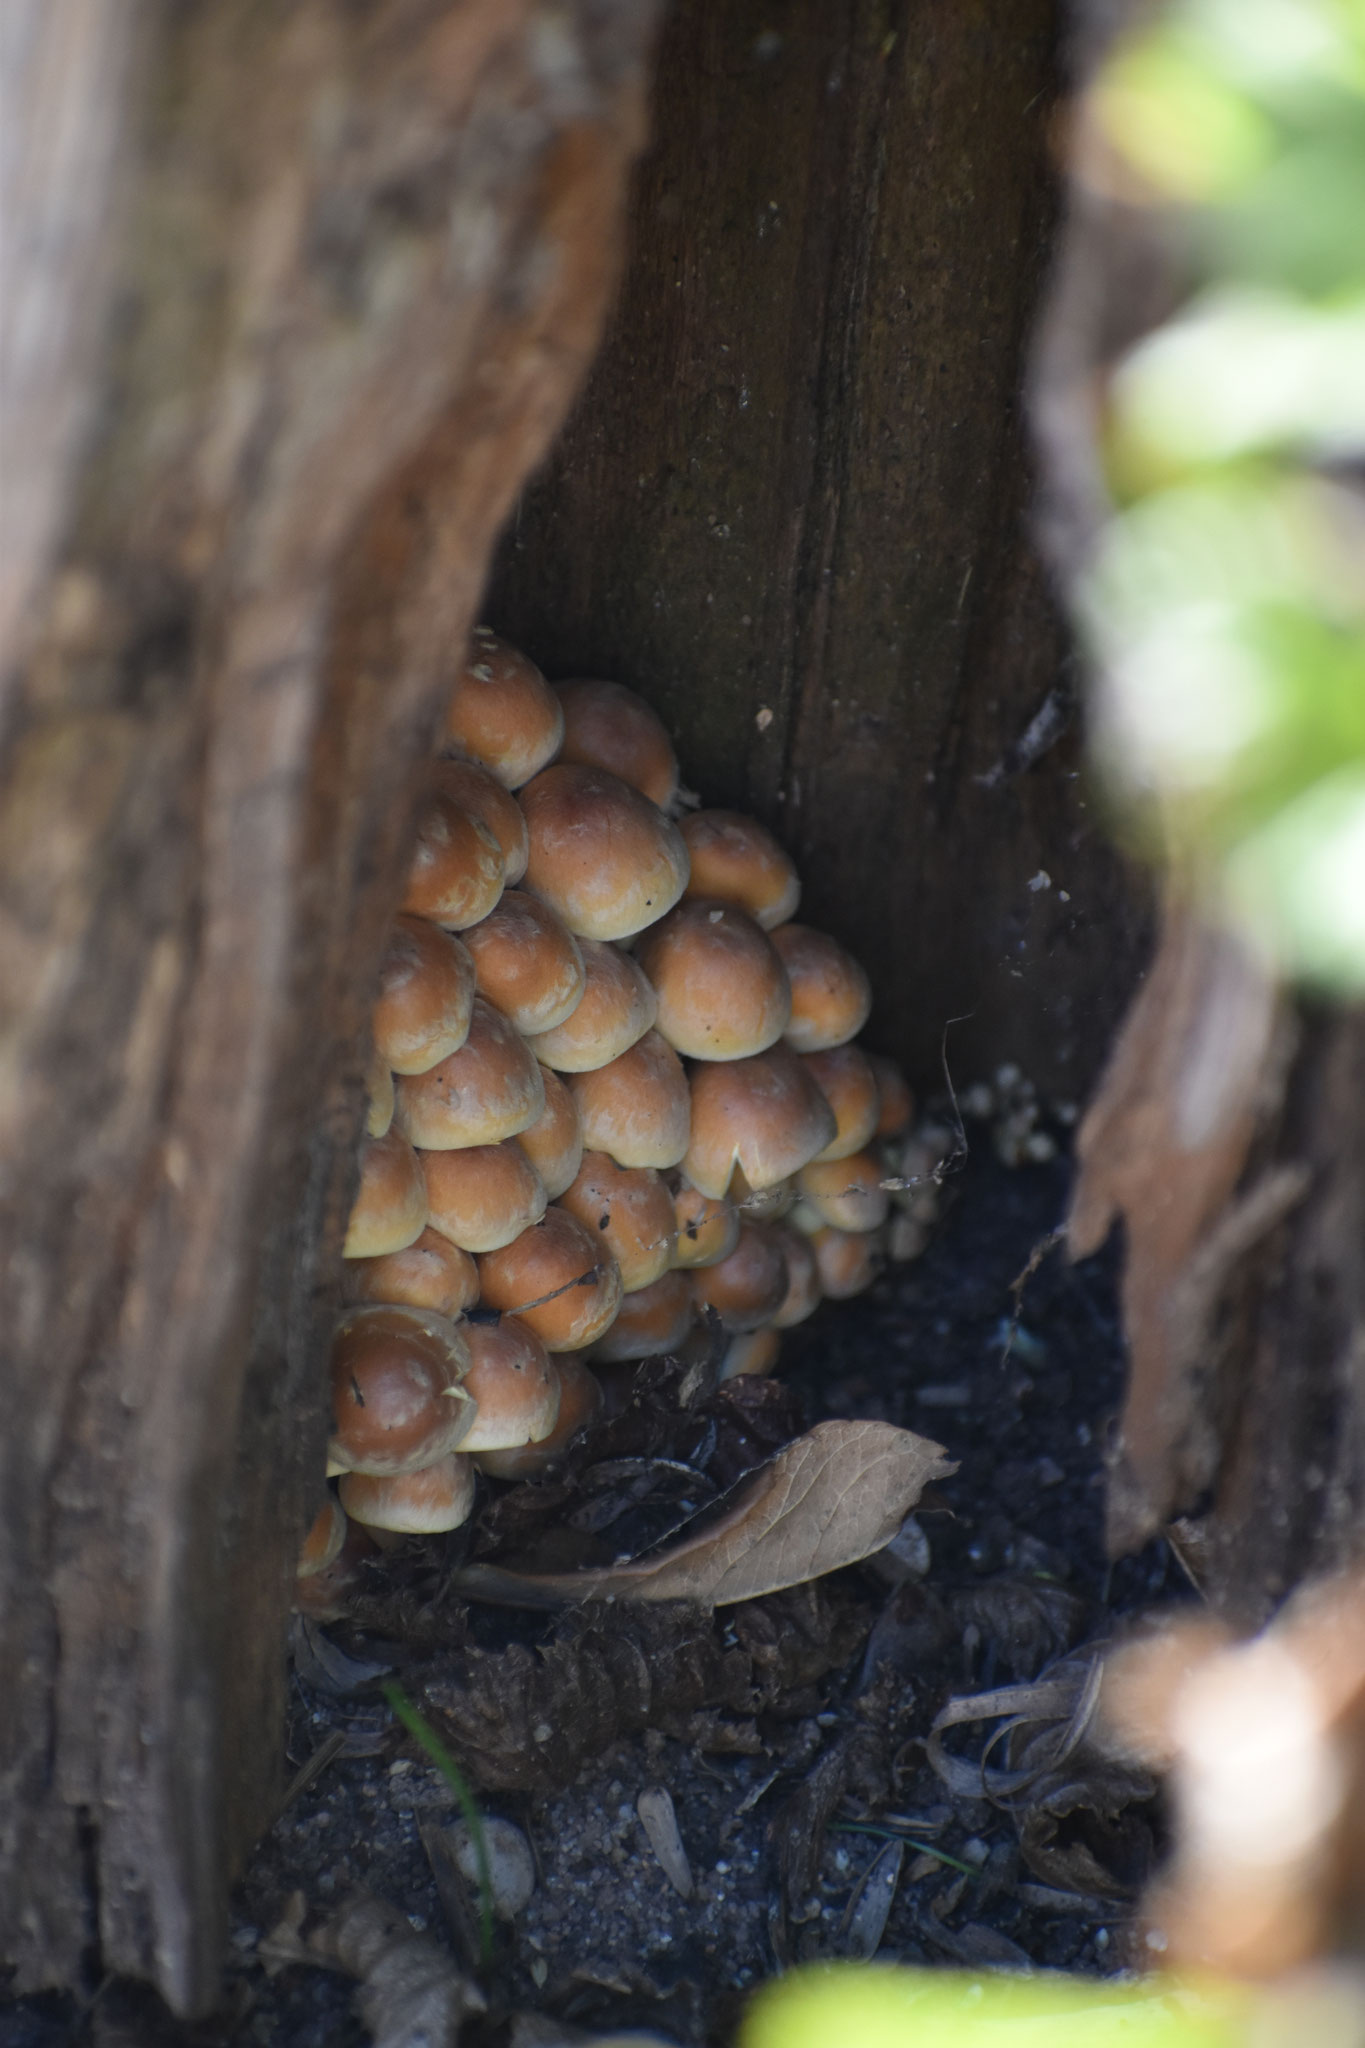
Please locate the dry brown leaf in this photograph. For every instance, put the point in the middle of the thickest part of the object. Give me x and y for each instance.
(831, 1497)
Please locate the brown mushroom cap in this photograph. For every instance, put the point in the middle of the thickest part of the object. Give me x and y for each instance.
(847, 1194)
(557, 1278)
(831, 995)
(527, 963)
(722, 989)
(426, 996)
(390, 1208)
(324, 1595)
(630, 1211)
(431, 1273)
(803, 1280)
(487, 1091)
(654, 1319)
(438, 1497)
(762, 1205)
(554, 1142)
(378, 1097)
(848, 1261)
(751, 1354)
(580, 1402)
(502, 712)
(608, 726)
(707, 1226)
(482, 1196)
(638, 1107)
(397, 1403)
(749, 1287)
(602, 855)
(456, 874)
(764, 1114)
(515, 1387)
(615, 1010)
(476, 790)
(737, 860)
(895, 1101)
(845, 1077)
(322, 1544)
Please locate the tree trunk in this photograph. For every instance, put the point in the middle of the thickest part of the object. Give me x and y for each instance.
(311, 288)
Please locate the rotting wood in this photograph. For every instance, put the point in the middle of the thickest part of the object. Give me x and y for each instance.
(362, 256)
(791, 508)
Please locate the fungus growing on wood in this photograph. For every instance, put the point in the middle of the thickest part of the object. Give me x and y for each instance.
(638, 1107)
(527, 962)
(487, 1091)
(390, 1208)
(602, 855)
(426, 996)
(630, 1210)
(429, 1273)
(616, 1008)
(608, 726)
(736, 860)
(424, 1503)
(722, 989)
(764, 1114)
(557, 1278)
(502, 712)
(397, 1402)
(482, 1196)
(831, 994)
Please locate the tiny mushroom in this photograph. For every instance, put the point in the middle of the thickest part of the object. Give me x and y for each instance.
(390, 1208)
(616, 1009)
(602, 855)
(848, 1261)
(426, 996)
(722, 989)
(831, 994)
(554, 1142)
(556, 1277)
(425, 1503)
(737, 860)
(487, 1091)
(482, 1196)
(895, 1102)
(322, 1544)
(397, 1401)
(708, 1226)
(845, 1077)
(638, 1107)
(847, 1194)
(608, 726)
(764, 1114)
(750, 1354)
(803, 1280)
(429, 1273)
(527, 963)
(502, 712)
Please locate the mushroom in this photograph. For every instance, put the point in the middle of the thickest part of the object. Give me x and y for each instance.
(750, 1354)
(323, 1595)
(762, 1205)
(602, 855)
(722, 990)
(554, 1142)
(608, 726)
(764, 1114)
(322, 1544)
(516, 1389)
(631, 1212)
(747, 1288)
(390, 1208)
(616, 1008)
(707, 1226)
(426, 996)
(438, 1497)
(638, 1107)
(527, 963)
(847, 1194)
(430, 1273)
(803, 1280)
(502, 712)
(479, 792)
(831, 995)
(736, 860)
(456, 873)
(580, 1402)
(653, 1319)
(482, 1196)
(397, 1402)
(558, 1278)
(848, 1261)
(895, 1101)
(378, 1097)
(845, 1077)
(487, 1091)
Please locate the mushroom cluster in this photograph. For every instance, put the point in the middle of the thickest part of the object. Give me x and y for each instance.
(615, 1097)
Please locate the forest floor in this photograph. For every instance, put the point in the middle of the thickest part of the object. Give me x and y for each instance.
(817, 1825)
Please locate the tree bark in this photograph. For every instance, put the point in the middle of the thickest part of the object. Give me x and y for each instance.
(351, 263)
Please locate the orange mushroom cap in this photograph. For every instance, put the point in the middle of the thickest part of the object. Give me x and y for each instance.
(557, 1278)
(516, 1389)
(429, 1273)
(426, 996)
(580, 1402)
(476, 790)
(424, 1503)
(895, 1100)
(322, 1544)
(848, 1261)
(764, 1114)
(527, 963)
(616, 1008)
(750, 1354)
(554, 1142)
(602, 855)
(397, 1403)
(487, 1091)
(456, 874)
(390, 1208)
(707, 1226)
(803, 1280)
(747, 1289)
(653, 1319)
(502, 712)
(736, 860)
(482, 1196)
(638, 1108)
(845, 1077)
(608, 726)
(722, 989)
(847, 1194)
(831, 995)
(378, 1097)
(631, 1211)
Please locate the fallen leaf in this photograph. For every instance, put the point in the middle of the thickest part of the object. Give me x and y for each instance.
(825, 1501)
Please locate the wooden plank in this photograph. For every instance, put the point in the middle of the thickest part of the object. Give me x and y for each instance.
(791, 506)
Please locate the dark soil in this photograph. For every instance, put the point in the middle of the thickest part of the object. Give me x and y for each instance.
(785, 1820)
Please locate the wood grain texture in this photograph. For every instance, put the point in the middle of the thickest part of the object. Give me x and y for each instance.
(790, 507)
(367, 252)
